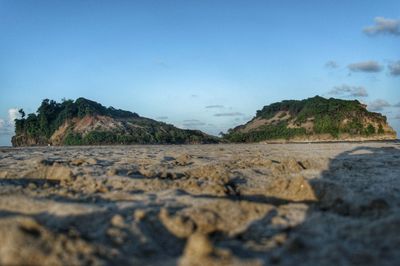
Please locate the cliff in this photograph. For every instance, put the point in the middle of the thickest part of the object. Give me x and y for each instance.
(85, 122)
(313, 119)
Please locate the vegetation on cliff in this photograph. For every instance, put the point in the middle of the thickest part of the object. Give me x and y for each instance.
(85, 122)
(311, 117)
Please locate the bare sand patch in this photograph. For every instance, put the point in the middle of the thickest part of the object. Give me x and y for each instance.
(243, 204)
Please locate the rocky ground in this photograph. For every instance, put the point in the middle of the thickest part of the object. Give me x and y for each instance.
(250, 204)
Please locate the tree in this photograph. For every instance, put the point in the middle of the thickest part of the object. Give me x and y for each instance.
(380, 129)
(22, 113)
(370, 130)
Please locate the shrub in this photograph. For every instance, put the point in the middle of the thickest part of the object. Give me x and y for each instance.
(370, 130)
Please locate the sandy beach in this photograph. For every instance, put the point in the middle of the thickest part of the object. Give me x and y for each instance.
(233, 204)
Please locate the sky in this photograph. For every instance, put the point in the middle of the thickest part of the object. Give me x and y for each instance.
(205, 65)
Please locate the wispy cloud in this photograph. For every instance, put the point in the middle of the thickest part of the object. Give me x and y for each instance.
(383, 26)
(229, 114)
(331, 64)
(161, 63)
(396, 105)
(193, 123)
(2, 125)
(397, 116)
(349, 91)
(394, 68)
(378, 105)
(216, 106)
(247, 118)
(367, 66)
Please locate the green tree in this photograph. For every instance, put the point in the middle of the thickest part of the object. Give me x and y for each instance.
(380, 129)
(22, 113)
(370, 130)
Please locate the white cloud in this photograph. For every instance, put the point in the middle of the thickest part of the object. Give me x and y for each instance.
(384, 26)
(378, 105)
(12, 115)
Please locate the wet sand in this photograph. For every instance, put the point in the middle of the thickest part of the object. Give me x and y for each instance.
(242, 204)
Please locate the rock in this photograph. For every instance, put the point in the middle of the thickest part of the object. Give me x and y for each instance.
(183, 159)
(198, 245)
(83, 161)
(3, 174)
(116, 235)
(139, 215)
(112, 172)
(25, 242)
(292, 165)
(118, 221)
(32, 186)
(217, 173)
(77, 162)
(147, 172)
(205, 220)
(21, 243)
(57, 172)
(295, 188)
(179, 225)
(51, 171)
(91, 161)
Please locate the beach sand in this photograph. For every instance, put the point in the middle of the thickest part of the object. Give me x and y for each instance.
(233, 204)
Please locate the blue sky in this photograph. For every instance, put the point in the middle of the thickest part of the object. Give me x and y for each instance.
(197, 64)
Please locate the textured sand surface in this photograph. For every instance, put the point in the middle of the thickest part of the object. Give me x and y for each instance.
(250, 204)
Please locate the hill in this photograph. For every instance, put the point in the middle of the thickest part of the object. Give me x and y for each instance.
(85, 122)
(313, 119)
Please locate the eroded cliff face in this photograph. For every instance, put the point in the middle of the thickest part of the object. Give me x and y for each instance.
(314, 119)
(81, 126)
(24, 140)
(85, 125)
(86, 122)
(103, 130)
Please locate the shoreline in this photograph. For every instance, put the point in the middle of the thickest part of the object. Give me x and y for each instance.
(216, 144)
